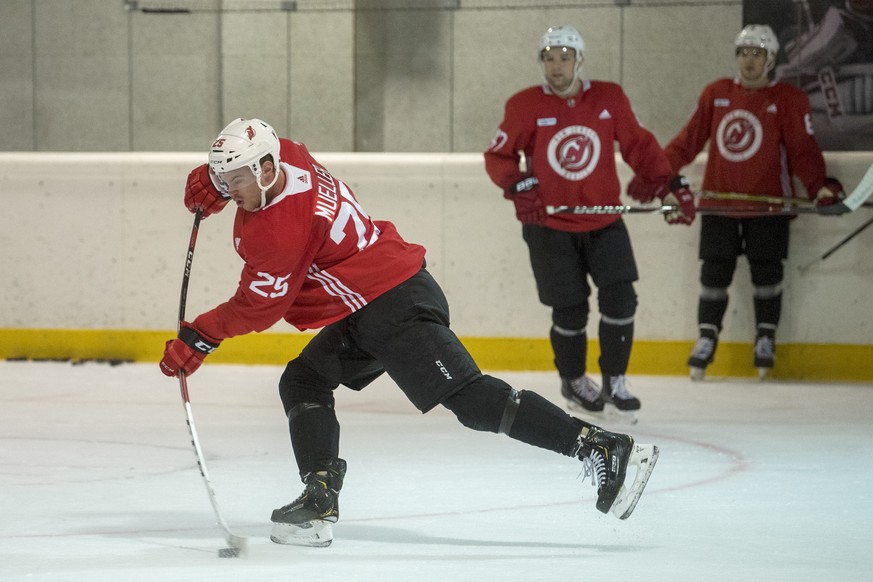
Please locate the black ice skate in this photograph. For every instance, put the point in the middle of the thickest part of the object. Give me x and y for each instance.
(615, 392)
(306, 520)
(606, 457)
(765, 354)
(702, 355)
(582, 394)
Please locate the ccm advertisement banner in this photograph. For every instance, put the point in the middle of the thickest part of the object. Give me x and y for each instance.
(826, 48)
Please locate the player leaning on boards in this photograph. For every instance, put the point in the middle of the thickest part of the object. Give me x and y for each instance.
(760, 135)
(566, 129)
(315, 258)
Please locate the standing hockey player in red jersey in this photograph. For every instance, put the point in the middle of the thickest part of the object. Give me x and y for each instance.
(315, 258)
(566, 129)
(761, 136)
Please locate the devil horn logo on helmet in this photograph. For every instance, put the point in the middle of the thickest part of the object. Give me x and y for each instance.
(250, 132)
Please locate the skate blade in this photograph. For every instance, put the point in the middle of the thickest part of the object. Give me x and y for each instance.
(697, 374)
(315, 534)
(762, 373)
(643, 458)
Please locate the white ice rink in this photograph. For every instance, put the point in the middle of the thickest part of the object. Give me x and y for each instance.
(98, 482)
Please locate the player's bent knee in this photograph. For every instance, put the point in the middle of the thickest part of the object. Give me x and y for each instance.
(486, 404)
(300, 383)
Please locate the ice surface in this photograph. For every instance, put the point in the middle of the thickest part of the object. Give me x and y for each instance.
(98, 482)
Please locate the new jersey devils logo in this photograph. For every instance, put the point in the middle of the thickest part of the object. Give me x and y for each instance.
(250, 132)
(574, 152)
(739, 135)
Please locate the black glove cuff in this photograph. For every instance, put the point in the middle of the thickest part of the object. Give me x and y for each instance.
(193, 340)
(678, 182)
(524, 185)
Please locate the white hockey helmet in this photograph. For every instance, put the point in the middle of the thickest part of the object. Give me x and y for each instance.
(562, 36)
(759, 36)
(244, 143)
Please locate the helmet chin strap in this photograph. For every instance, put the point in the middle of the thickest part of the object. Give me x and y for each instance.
(263, 188)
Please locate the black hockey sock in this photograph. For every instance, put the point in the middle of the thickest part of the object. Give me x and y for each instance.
(571, 349)
(710, 312)
(314, 436)
(616, 342)
(540, 423)
(767, 312)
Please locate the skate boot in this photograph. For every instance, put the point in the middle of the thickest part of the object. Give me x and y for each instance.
(765, 354)
(606, 456)
(702, 354)
(306, 520)
(582, 394)
(616, 393)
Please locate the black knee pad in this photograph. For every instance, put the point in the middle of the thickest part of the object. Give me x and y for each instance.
(617, 301)
(301, 383)
(717, 273)
(572, 318)
(483, 403)
(766, 273)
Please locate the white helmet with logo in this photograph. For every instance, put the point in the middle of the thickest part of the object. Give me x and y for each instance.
(562, 36)
(759, 36)
(244, 143)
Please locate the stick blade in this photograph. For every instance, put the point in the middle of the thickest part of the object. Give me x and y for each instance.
(862, 192)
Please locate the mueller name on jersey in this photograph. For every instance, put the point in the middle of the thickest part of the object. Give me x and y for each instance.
(326, 201)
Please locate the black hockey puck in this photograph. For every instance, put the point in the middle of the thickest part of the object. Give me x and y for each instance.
(228, 553)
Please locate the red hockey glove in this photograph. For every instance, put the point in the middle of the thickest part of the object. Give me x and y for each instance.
(644, 190)
(830, 198)
(203, 190)
(186, 352)
(680, 195)
(529, 208)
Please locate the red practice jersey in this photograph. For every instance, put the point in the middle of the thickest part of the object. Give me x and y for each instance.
(569, 145)
(759, 139)
(312, 255)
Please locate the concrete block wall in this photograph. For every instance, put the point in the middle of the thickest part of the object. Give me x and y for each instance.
(91, 76)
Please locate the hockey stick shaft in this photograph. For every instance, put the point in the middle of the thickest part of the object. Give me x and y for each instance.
(787, 202)
(855, 199)
(707, 195)
(233, 540)
(608, 209)
(837, 246)
(769, 210)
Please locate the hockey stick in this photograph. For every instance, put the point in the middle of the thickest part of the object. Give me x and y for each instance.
(609, 209)
(769, 210)
(237, 543)
(788, 202)
(705, 194)
(833, 249)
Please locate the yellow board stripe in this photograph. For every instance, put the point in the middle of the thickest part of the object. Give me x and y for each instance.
(815, 362)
